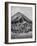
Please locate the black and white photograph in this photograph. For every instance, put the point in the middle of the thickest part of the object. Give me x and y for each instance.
(21, 22)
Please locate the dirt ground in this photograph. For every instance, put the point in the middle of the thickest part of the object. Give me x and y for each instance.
(21, 35)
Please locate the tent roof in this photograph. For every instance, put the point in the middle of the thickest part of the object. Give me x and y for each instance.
(18, 16)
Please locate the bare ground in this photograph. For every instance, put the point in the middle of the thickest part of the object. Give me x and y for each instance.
(21, 35)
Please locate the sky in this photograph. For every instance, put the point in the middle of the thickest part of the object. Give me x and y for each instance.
(27, 11)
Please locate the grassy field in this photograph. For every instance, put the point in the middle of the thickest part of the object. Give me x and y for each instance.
(21, 35)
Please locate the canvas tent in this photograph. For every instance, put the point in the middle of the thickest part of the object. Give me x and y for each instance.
(20, 23)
